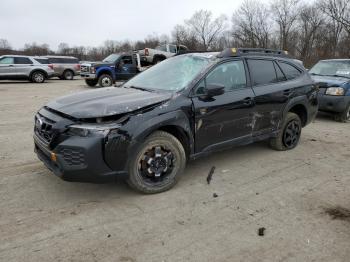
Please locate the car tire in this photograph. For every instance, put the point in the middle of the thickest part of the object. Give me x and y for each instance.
(160, 153)
(344, 116)
(38, 77)
(105, 80)
(91, 82)
(157, 60)
(290, 133)
(68, 75)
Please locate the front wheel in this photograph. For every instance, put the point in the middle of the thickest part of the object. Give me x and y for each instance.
(290, 134)
(105, 80)
(157, 164)
(343, 116)
(91, 82)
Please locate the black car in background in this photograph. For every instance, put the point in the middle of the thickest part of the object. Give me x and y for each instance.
(183, 108)
(333, 77)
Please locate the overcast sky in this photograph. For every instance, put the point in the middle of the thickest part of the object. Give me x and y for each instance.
(91, 22)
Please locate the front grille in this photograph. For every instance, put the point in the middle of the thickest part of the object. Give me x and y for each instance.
(43, 128)
(73, 157)
(84, 69)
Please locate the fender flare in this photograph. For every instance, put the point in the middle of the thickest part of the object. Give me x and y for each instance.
(107, 69)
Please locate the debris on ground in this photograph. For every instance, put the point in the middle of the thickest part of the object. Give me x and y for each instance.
(215, 195)
(210, 175)
(338, 213)
(261, 231)
(109, 235)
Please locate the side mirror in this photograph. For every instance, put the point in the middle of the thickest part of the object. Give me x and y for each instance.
(214, 90)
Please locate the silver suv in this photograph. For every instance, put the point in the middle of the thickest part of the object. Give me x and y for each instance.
(65, 67)
(15, 67)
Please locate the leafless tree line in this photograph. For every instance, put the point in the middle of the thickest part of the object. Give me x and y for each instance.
(310, 31)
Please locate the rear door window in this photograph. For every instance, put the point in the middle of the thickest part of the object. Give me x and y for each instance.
(291, 72)
(7, 60)
(23, 61)
(262, 72)
(280, 76)
(43, 61)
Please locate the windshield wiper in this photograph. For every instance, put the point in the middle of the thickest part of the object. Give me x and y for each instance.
(339, 76)
(139, 88)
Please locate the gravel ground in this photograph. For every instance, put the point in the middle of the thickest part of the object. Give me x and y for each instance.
(300, 197)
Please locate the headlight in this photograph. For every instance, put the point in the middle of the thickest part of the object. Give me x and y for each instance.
(93, 70)
(86, 130)
(335, 91)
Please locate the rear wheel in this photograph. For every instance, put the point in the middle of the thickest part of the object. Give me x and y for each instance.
(91, 82)
(105, 80)
(290, 134)
(68, 75)
(38, 77)
(344, 116)
(157, 164)
(157, 60)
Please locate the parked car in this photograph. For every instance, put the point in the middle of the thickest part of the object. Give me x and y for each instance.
(333, 77)
(65, 67)
(16, 67)
(160, 53)
(113, 68)
(183, 108)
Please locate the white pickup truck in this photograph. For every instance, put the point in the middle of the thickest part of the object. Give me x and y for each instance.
(160, 53)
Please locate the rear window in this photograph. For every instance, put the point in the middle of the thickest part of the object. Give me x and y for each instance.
(262, 72)
(23, 61)
(43, 61)
(63, 60)
(291, 72)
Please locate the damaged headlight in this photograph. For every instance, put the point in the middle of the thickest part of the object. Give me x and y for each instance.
(335, 91)
(85, 130)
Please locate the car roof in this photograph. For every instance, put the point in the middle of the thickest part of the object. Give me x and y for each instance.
(16, 56)
(59, 56)
(343, 59)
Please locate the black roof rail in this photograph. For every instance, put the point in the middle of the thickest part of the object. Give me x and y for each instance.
(192, 52)
(229, 52)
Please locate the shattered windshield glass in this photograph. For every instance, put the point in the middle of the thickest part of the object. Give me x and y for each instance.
(172, 74)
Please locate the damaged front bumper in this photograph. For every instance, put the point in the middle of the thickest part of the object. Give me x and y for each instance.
(76, 159)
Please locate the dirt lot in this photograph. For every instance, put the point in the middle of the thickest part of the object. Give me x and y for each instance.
(301, 197)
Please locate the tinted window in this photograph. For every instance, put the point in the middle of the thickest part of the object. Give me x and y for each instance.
(262, 72)
(43, 61)
(280, 75)
(231, 75)
(290, 71)
(23, 61)
(7, 60)
(182, 48)
(63, 60)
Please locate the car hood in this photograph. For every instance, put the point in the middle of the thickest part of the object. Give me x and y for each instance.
(106, 102)
(328, 81)
(97, 64)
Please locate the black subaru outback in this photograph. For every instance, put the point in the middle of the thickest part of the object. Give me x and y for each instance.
(183, 108)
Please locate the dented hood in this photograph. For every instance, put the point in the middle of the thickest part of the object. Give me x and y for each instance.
(106, 102)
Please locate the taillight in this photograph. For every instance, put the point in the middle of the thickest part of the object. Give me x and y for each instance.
(146, 52)
(78, 66)
(50, 66)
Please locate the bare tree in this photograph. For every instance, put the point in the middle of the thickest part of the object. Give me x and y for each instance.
(252, 25)
(338, 10)
(205, 29)
(310, 23)
(4, 44)
(285, 14)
